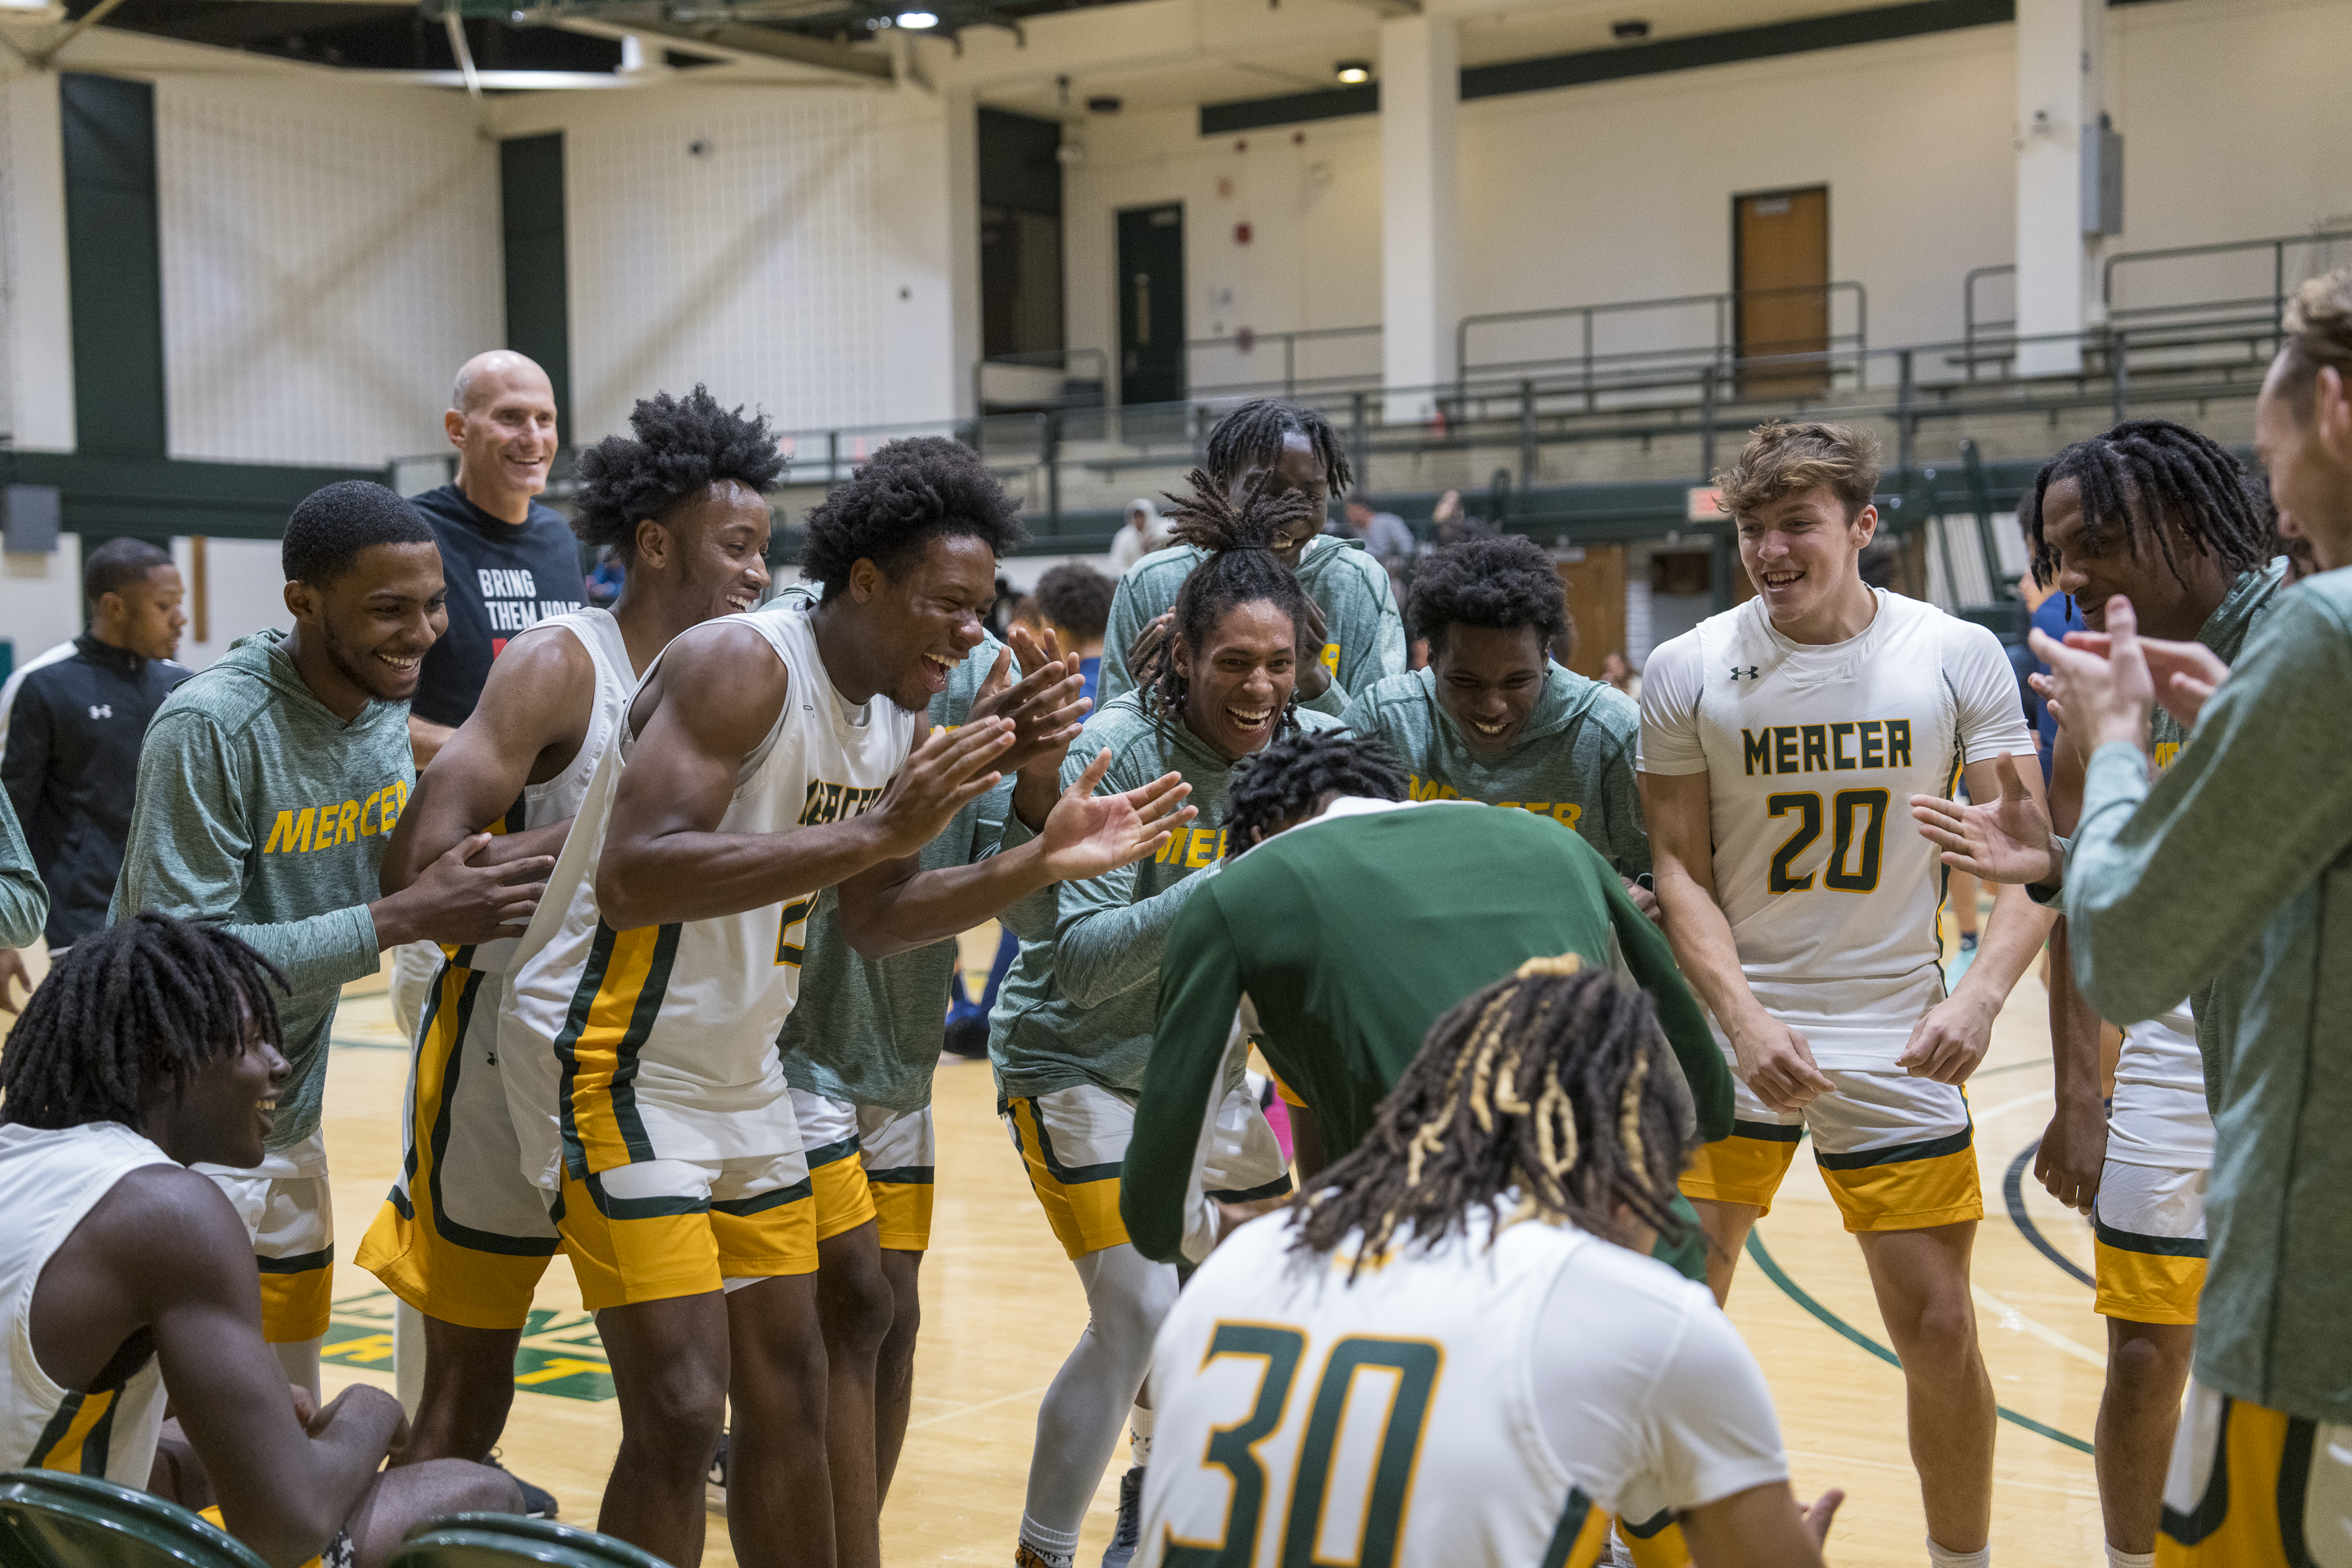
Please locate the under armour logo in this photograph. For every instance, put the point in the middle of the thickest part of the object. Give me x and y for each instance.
(101, 710)
(1740, 674)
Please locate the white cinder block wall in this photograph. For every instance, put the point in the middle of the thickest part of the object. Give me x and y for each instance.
(331, 256)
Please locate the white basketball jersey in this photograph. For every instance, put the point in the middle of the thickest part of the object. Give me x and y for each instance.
(1470, 1404)
(661, 1041)
(2160, 1117)
(1811, 755)
(50, 1178)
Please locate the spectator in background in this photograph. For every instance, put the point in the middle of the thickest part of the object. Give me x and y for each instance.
(1621, 674)
(1454, 522)
(1074, 601)
(605, 581)
(1383, 533)
(1145, 531)
(78, 723)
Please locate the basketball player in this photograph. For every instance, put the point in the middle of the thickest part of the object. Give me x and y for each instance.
(769, 757)
(2221, 872)
(1072, 1029)
(2161, 514)
(1447, 1298)
(1283, 449)
(464, 1236)
(859, 1050)
(152, 1046)
(1492, 718)
(1350, 926)
(1777, 742)
(268, 787)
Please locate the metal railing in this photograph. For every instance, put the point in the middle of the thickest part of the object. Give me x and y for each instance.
(1596, 366)
(1029, 370)
(1248, 345)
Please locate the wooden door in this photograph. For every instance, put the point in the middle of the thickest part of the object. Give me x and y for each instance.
(1595, 576)
(1152, 305)
(1780, 277)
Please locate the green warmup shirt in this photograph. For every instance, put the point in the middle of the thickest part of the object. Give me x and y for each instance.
(1572, 761)
(23, 899)
(258, 807)
(1364, 631)
(869, 1031)
(2234, 870)
(1078, 1006)
(1352, 935)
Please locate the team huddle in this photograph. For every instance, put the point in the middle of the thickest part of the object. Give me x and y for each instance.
(1551, 984)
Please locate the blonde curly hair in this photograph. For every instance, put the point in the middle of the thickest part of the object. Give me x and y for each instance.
(1783, 459)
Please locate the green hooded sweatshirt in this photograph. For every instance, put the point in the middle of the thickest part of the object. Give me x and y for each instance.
(1360, 615)
(1080, 1004)
(259, 808)
(1572, 761)
(869, 1031)
(23, 899)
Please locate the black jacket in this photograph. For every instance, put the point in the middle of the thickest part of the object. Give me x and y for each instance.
(72, 771)
(503, 578)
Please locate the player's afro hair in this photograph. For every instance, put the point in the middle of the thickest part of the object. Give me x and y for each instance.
(328, 530)
(1500, 582)
(1078, 597)
(908, 493)
(682, 447)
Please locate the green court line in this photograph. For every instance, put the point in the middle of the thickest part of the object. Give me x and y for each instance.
(1795, 1293)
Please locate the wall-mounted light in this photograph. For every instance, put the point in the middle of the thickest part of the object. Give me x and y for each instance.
(1634, 28)
(918, 19)
(1354, 73)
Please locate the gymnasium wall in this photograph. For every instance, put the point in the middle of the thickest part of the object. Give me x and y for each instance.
(331, 256)
(2233, 112)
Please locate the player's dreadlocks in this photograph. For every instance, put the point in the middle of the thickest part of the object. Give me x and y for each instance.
(150, 1001)
(1254, 433)
(1241, 568)
(1294, 771)
(683, 446)
(2141, 475)
(1554, 1082)
(1499, 582)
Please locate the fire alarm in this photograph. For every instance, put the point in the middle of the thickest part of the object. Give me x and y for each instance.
(1241, 233)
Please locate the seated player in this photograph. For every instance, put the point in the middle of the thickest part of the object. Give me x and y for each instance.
(1072, 1030)
(464, 1236)
(1492, 719)
(2161, 514)
(1448, 1298)
(152, 1047)
(766, 757)
(1356, 920)
(1281, 449)
(1777, 740)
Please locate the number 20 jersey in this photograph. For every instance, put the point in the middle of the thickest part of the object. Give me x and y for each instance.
(1811, 755)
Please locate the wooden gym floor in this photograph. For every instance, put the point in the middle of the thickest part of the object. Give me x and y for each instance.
(1002, 1307)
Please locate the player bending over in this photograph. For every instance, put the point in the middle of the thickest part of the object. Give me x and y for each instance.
(1280, 449)
(767, 756)
(1465, 1302)
(465, 1235)
(1778, 740)
(152, 1047)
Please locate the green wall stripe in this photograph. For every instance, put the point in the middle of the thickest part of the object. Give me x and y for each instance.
(114, 265)
(538, 280)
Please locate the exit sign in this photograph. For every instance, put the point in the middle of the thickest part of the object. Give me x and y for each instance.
(1702, 507)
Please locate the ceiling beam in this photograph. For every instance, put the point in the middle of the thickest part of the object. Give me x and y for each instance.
(742, 40)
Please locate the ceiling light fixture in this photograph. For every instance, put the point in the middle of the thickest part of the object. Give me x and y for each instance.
(918, 19)
(1353, 72)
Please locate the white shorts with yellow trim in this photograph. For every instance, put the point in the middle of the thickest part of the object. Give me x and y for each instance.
(463, 1236)
(2148, 1229)
(2254, 1488)
(664, 1229)
(290, 1212)
(1897, 1153)
(866, 1163)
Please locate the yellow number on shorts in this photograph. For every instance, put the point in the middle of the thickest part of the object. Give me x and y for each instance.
(788, 943)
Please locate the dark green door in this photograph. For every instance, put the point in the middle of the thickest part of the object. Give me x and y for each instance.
(1152, 305)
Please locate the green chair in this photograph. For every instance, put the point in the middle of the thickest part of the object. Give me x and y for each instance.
(52, 1518)
(505, 1539)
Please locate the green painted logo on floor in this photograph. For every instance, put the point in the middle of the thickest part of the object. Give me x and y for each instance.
(561, 1353)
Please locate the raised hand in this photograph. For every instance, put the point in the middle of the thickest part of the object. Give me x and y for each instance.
(951, 768)
(2106, 697)
(1087, 834)
(2184, 674)
(13, 974)
(1314, 675)
(1045, 707)
(2004, 840)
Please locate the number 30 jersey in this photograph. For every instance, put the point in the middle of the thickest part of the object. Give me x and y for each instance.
(1489, 1400)
(1811, 755)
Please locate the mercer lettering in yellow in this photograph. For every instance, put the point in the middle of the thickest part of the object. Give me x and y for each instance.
(341, 822)
(1430, 788)
(1826, 747)
(1193, 847)
(2164, 752)
(1331, 657)
(1567, 812)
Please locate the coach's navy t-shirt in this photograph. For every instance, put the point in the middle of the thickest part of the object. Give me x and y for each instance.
(503, 578)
